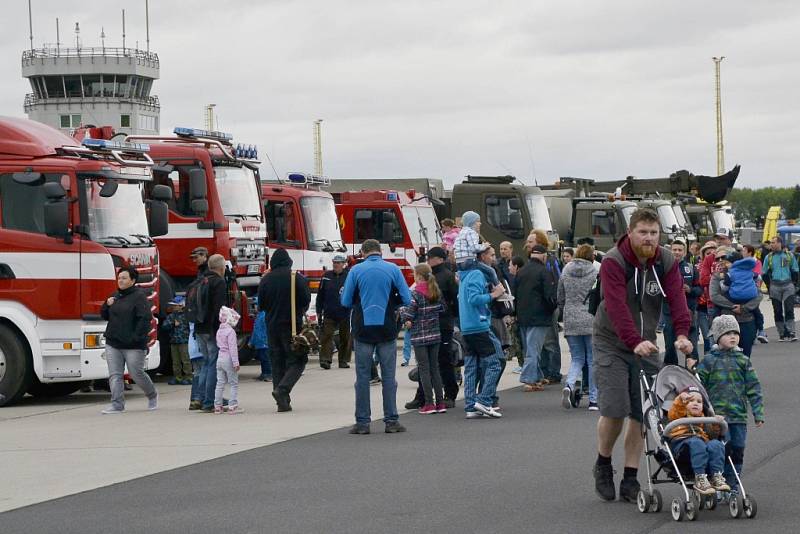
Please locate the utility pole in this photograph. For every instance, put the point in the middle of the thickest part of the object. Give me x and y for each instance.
(720, 146)
(318, 147)
(210, 117)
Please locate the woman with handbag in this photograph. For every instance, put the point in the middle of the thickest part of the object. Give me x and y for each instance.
(129, 319)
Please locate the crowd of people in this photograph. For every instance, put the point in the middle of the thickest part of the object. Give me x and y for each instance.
(470, 309)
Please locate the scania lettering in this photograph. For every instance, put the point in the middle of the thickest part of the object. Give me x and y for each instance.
(71, 215)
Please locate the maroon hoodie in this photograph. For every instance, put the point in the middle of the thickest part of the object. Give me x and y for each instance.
(630, 309)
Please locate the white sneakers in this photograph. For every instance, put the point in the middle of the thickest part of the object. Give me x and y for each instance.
(111, 410)
(487, 410)
(152, 404)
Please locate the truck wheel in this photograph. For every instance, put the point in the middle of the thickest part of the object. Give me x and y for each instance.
(16, 371)
(58, 389)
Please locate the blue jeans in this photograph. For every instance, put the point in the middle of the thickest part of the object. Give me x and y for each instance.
(534, 341)
(386, 353)
(706, 457)
(407, 346)
(580, 349)
(485, 370)
(198, 380)
(207, 344)
(735, 442)
(747, 336)
(266, 366)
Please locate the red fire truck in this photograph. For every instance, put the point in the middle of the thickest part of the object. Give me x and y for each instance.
(301, 218)
(404, 222)
(216, 204)
(71, 215)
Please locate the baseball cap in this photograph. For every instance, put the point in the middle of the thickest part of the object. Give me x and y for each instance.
(539, 249)
(437, 252)
(692, 389)
(196, 251)
(339, 258)
(722, 232)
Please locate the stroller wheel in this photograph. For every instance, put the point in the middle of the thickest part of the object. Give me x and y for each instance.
(656, 501)
(692, 509)
(643, 501)
(749, 507)
(677, 510)
(709, 502)
(735, 506)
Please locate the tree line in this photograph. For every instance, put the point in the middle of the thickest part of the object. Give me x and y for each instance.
(752, 204)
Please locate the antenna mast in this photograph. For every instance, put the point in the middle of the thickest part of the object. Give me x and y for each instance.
(147, 21)
(318, 147)
(720, 146)
(123, 31)
(30, 22)
(58, 38)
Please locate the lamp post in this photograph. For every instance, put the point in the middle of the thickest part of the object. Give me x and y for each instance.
(720, 145)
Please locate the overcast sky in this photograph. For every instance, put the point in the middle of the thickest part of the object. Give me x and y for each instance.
(597, 89)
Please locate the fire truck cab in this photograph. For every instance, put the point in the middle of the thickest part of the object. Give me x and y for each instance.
(404, 222)
(216, 204)
(301, 218)
(71, 215)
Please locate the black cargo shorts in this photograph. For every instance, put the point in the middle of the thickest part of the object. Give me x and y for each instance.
(616, 374)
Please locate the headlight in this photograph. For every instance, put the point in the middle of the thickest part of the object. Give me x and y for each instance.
(234, 252)
(94, 341)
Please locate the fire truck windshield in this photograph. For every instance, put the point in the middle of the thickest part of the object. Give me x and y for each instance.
(540, 217)
(238, 192)
(118, 220)
(422, 225)
(322, 226)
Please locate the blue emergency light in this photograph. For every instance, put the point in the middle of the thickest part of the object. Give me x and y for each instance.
(208, 134)
(105, 144)
(392, 196)
(245, 151)
(299, 178)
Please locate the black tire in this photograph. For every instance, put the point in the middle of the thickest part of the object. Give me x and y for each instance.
(643, 501)
(691, 509)
(246, 353)
(59, 389)
(166, 292)
(677, 510)
(735, 506)
(17, 370)
(749, 507)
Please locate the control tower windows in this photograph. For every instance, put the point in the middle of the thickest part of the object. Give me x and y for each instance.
(92, 85)
(54, 86)
(124, 121)
(147, 122)
(70, 121)
(72, 84)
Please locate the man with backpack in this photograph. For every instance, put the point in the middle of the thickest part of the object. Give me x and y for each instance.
(636, 276)
(204, 298)
(780, 273)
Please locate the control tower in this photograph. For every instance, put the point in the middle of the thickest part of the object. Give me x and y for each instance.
(100, 85)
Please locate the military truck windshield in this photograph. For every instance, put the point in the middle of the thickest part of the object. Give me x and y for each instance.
(540, 217)
(669, 222)
(627, 211)
(678, 209)
(723, 219)
(422, 225)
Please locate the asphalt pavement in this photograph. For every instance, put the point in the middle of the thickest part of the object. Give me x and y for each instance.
(527, 472)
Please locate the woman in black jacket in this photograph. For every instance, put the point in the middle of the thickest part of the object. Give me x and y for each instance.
(129, 316)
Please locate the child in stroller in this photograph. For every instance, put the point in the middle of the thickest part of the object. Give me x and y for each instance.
(683, 463)
(706, 454)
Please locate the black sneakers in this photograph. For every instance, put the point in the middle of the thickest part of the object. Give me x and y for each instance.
(604, 481)
(359, 429)
(628, 489)
(413, 405)
(283, 401)
(393, 427)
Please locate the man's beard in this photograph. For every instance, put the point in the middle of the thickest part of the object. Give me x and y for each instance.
(644, 251)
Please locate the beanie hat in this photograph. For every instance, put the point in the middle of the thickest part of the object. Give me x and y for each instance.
(470, 218)
(229, 316)
(722, 325)
(280, 258)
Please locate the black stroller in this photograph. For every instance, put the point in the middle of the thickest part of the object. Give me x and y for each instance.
(656, 401)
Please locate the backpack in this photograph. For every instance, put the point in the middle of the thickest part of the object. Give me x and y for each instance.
(595, 295)
(197, 297)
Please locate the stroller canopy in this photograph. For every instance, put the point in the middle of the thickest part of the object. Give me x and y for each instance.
(671, 380)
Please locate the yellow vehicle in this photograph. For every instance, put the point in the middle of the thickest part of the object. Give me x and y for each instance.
(771, 223)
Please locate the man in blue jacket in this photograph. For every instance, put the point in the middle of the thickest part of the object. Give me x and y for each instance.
(482, 352)
(374, 290)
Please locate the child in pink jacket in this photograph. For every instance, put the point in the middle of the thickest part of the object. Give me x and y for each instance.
(228, 361)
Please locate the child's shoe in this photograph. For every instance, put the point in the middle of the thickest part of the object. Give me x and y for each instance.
(427, 409)
(719, 483)
(217, 410)
(234, 409)
(702, 486)
(441, 407)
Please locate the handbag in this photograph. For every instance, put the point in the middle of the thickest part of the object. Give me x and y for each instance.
(307, 339)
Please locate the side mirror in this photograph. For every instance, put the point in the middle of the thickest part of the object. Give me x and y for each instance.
(387, 232)
(492, 201)
(27, 177)
(158, 218)
(599, 213)
(513, 203)
(197, 184)
(56, 212)
(162, 192)
(388, 217)
(200, 206)
(109, 188)
(674, 228)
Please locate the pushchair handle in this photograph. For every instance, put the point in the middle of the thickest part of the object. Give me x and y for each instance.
(723, 425)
